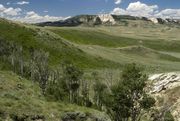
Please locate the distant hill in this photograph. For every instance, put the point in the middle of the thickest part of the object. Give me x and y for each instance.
(105, 19)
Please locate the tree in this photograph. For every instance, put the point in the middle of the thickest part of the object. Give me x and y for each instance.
(56, 87)
(85, 93)
(72, 75)
(21, 60)
(99, 91)
(13, 56)
(39, 68)
(56, 90)
(129, 97)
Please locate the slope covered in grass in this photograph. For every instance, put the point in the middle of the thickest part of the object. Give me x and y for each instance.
(99, 47)
(114, 44)
(21, 100)
(31, 37)
(92, 36)
(117, 37)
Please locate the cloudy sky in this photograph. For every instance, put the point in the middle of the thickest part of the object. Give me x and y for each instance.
(33, 11)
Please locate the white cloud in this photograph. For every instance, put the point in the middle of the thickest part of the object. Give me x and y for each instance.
(29, 17)
(169, 13)
(9, 11)
(118, 2)
(119, 11)
(141, 9)
(137, 9)
(32, 17)
(2, 8)
(22, 2)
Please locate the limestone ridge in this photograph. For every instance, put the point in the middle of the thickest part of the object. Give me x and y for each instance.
(105, 19)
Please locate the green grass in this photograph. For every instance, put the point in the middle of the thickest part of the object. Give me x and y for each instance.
(114, 44)
(92, 37)
(58, 49)
(102, 37)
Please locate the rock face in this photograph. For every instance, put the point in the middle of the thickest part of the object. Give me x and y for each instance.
(107, 18)
(154, 20)
(165, 81)
(81, 116)
(166, 90)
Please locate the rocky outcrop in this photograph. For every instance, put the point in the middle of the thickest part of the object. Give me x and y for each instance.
(165, 81)
(81, 116)
(166, 90)
(107, 18)
(154, 20)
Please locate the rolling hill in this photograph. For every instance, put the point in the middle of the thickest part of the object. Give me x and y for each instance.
(153, 45)
(58, 48)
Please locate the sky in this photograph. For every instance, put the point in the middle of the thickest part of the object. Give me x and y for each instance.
(33, 11)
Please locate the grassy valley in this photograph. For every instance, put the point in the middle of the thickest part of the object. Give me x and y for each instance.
(113, 43)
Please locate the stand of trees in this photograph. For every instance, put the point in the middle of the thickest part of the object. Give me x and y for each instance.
(129, 97)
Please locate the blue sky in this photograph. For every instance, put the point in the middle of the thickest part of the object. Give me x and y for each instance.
(65, 8)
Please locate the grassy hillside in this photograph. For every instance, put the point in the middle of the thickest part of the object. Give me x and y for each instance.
(141, 44)
(154, 46)
(31, 37)
(117, 37)
(21, 100)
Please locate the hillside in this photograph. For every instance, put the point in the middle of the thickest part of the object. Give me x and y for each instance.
(154, 46)
(103, 46)
(58, 48)
(22, 100)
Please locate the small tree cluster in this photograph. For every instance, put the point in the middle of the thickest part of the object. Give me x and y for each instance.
(72, 76)
(99, 91)
(129, 99)
(39, 68)
(34, 67)
(85, 93)
(67, 86)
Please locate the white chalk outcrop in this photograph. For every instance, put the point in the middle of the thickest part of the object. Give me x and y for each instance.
(106, 18)
(154, 20)
(165, 81)
(167, 87)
